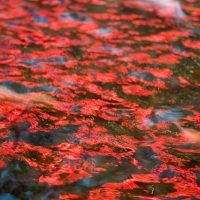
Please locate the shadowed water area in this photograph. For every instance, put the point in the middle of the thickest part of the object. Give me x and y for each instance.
(93, 98)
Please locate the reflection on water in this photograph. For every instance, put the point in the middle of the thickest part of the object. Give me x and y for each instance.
(99, 99)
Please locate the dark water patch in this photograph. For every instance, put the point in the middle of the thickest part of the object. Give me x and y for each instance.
(7, 196)
(118, 174)
(191, 164)
(147, 157)
(173, 82)
(40, 19)
(2, 117)
(18, 129)
(46, 88)
(168, 173)
(70, 84)
(143, 75)
(117, 129)
(76, 17)
(191, 70)
(20, 88)
(180, 96)
(76, 52)
(153, 189)
(38, 157)
(50, 138)
(188, 156)
(34, 62)
(76, 108)
(52, 112)
(198, 177)
(92, 8)
(195, 33)
(18, 181)
(17, 87)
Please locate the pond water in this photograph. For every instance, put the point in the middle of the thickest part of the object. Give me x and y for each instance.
(99, 99)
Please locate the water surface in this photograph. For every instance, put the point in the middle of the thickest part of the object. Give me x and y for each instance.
(89, 93)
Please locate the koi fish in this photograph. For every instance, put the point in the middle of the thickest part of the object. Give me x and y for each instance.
(169, 7)
(192, 135)
(163, 8)
(26, 99)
